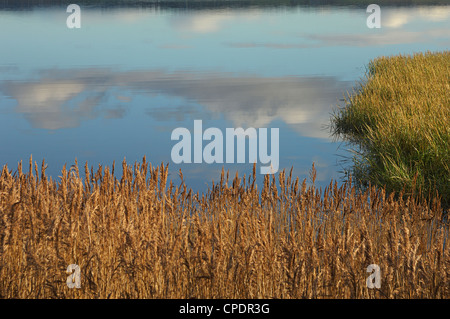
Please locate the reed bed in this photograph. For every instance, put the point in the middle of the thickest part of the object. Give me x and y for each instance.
(141, 236)
(399, 116)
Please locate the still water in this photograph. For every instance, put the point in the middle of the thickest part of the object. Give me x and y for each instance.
(117, 87)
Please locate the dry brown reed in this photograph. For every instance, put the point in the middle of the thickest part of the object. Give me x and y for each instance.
(141, 236)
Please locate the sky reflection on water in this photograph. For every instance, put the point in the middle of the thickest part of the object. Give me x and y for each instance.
(117, 87)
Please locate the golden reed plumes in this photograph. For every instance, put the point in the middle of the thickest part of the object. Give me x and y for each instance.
(140, 236)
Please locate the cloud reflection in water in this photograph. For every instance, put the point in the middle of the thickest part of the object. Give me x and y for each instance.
(64, 98)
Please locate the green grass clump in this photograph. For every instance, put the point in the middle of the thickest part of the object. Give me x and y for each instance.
(400, 118)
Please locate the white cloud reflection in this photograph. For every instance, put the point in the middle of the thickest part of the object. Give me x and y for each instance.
(396, 18)
(398, 26)
(200, 22)
(64, 98)
(210, 21)
(382, 38)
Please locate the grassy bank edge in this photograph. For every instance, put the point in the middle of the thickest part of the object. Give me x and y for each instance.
(398, 119)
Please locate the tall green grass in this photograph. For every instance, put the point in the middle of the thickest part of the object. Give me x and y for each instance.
(399, 116)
